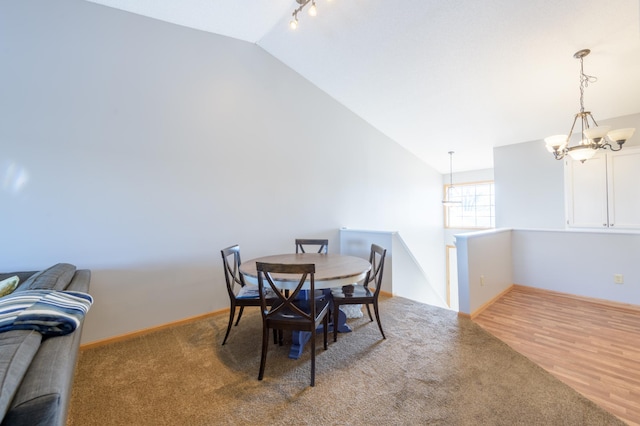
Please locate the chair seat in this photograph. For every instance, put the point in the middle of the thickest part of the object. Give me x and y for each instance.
(248, 292)
(351, 292)
(251, 292)
(291, 316)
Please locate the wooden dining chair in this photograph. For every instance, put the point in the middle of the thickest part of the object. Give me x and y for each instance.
(323, 245)
(240, 294)
(364, 293)
(323, 248)
(288, 312)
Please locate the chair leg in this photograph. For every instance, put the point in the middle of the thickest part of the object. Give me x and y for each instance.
(336, 313)
(265, 346)
(313, 357)
(325, 326)
(369, 312)
(232, 313)
(240, 314)
(375, 308)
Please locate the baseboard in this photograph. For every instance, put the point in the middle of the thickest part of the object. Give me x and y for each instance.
(490, 302)
(137, 333)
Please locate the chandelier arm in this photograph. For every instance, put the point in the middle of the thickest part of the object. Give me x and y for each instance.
(573, 125)
(302, 4)
(608, 145)
(585, 125)
(592, 118)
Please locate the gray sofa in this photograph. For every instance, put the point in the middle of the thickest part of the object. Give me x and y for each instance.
(36, 372)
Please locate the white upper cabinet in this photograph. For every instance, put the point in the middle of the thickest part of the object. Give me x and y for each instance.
(604, 191)
(623, 176)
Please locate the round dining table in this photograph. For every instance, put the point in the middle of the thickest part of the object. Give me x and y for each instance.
(332, 270)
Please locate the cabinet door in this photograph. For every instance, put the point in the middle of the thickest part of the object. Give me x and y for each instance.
(624, 189)
(586, 192)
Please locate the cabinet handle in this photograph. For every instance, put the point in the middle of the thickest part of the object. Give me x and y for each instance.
(604, 224)
(611, 224)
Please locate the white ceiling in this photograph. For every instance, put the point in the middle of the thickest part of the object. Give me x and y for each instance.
(439, 76)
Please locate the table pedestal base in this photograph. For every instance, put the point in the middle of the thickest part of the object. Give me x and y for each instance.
(300, 338)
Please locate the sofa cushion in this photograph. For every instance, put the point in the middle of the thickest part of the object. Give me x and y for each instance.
(17, 349)
(56, 277)
(8, 285)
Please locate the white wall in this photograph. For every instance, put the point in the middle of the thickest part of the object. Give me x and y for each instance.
(138, 149)
(485, 267)
(355, 242)
(580, 263)
(529, 187)
(403, 275)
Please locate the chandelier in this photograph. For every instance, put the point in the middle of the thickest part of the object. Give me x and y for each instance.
(312, 11)
(594, 137)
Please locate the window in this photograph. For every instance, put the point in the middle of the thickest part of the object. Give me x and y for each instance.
(475, 208)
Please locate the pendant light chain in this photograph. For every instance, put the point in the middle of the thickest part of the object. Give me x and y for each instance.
(584, 82)
(450, 169)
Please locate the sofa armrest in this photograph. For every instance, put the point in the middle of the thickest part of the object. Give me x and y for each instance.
(45, 391)
(44, 394)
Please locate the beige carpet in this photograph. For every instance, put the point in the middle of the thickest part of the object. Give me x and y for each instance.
(433, 368)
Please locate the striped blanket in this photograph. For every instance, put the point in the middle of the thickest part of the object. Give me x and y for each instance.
(52, 313)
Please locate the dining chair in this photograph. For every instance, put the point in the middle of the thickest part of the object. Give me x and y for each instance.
(288, 312)
(323, 245)
(240, 294)
(365, 292)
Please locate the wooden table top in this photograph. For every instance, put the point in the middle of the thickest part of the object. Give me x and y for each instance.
(332, 270)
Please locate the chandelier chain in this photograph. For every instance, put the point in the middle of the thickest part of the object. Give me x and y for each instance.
(584, 82)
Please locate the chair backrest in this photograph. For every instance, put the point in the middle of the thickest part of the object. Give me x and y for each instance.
(376, 258)
(231, 263)
(301, 242)
(284, 303)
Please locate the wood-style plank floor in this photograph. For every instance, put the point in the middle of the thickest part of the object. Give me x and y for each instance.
(591, 345)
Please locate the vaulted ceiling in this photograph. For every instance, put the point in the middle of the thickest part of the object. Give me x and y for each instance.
(439, 76)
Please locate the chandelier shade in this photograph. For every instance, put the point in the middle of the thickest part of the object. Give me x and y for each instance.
(582, 152)
(621, 135)
(595, 137)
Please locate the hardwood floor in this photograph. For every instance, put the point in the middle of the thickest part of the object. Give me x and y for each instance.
(591, 345)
